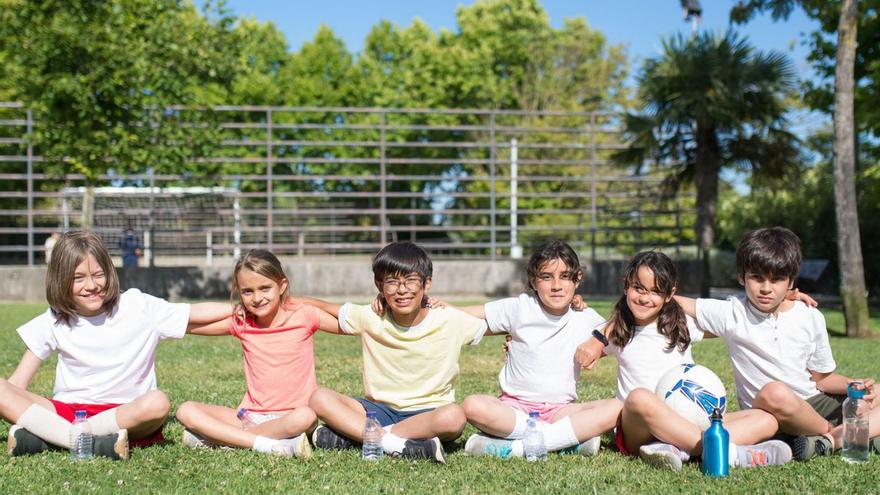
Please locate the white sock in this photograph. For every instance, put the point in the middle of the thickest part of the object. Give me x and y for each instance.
(264, 444)
(104, 423)
(391, 443)
(732, 455)
(519, 427)
(46, 424)
(558, 435)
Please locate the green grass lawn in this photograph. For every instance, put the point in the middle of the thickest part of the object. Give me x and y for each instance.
(210, 370)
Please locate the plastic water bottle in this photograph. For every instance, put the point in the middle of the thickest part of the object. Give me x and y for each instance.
(81, 440)
(533, 441)
(246, 418)
(716, 447)
(855, 424)
(372, 446)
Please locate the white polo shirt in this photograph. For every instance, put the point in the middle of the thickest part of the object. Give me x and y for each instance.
(764, 349)
(540, 363)
(109, 358)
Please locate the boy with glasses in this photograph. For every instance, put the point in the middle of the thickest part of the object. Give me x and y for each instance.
(410, 359)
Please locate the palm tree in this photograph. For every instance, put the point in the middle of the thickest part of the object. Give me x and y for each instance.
(708, 102)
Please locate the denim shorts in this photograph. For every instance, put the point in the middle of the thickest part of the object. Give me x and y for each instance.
(387, 415)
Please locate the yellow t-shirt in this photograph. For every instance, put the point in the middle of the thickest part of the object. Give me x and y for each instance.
(411, 368)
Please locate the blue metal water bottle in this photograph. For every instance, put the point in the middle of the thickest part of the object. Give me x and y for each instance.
(716, 445)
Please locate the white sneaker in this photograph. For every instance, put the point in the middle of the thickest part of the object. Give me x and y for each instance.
(662, 455)
(769, 453)
(297, 446)
(479, 445)
(194, 441)
(590, 447)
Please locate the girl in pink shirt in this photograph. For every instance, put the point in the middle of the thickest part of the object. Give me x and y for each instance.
(279, 366)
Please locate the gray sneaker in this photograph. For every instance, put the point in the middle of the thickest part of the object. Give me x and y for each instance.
(662, 455)
(875, 445)
(325, 438)
(769, 453)
(431, 449)
(113, 446)
(806, 447)
(23, 442)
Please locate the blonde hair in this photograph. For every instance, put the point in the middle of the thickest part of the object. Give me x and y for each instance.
(71, 250)
(261, 262)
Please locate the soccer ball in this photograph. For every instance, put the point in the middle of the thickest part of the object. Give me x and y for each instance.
(693, 391)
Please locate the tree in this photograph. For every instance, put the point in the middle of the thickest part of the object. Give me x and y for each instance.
(852, 272)
(710, 102)
(102, 78)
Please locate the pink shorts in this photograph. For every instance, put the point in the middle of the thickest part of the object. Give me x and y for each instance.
(546, 410)
(67, 411)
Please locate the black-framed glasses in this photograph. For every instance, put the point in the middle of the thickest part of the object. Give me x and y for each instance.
(391, 285)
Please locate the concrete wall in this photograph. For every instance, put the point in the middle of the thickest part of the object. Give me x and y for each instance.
(337, 278)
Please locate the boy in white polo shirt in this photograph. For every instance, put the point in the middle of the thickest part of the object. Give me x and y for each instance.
(779, 348)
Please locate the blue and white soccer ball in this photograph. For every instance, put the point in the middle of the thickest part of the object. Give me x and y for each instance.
(693, 391)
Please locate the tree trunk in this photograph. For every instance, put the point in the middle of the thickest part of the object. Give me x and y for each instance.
(852, 272)
(87, 220)
(706, 180)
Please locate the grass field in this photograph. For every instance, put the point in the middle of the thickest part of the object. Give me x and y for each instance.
(210, 370)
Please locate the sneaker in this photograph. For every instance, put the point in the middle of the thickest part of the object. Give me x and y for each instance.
(769, 453)
(114, 445)
(325, 438)
(478, 445)
(590, 447)
(23, 442)
(430, 449)
(297, 446)
(805, 447)
(662, 455)
(194, 441)
(875, 445)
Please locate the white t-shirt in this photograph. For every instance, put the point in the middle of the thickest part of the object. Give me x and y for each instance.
(107, 359)
(644, 360)
(764, 349)
(540, 363)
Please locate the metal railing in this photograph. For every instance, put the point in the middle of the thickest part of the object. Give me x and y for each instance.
(330, 181)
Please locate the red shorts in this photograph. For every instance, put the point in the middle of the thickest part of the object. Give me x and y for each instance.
(618, 439)
(67, 412)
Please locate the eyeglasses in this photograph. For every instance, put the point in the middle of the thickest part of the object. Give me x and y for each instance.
(391, 285)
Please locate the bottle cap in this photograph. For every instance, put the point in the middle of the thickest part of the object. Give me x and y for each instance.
(372, 414)
(855, 390)
(81, 414)
(534, 414)
(241, 413)
(716, 415)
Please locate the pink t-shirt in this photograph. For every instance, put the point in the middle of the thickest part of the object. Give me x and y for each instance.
(279, 362)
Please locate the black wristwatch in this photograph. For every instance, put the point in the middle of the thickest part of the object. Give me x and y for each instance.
(600, 337)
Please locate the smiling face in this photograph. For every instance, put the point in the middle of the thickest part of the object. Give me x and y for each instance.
(643, 298)
(765, 292)
(404, 296)
(89, 287)
(555, 284)
(260, 296)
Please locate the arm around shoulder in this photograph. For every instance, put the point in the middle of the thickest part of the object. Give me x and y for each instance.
(209, 312)
(326, 306)
(214, 328)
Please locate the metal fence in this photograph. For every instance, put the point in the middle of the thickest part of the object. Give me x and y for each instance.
(333, 181)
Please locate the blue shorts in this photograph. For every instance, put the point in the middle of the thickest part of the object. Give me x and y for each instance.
(386, 415)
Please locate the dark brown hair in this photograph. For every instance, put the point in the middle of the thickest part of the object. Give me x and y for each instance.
(71, 250)
(671, 321)
(553, 250)
(773, 251)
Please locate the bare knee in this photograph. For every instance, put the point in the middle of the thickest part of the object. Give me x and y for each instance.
(641, 402)
(321, 400)
(299, 420)
(775, 398)
(474, 408)
(186, 413)
(155, 405)
(450, 419)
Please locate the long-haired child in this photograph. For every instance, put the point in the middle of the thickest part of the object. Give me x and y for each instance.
(540, 373)
(649, 333)
(279, 365)
(106, 345)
